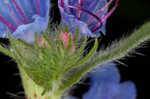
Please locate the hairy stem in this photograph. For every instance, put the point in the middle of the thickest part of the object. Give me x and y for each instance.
(115, 51)
(33, 91)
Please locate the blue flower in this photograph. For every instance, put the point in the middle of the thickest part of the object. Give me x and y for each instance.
(88, 15)
(105, 84)
(23, 18)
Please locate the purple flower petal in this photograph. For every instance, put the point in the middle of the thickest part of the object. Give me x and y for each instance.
(88, 15)
(23, 18)
(105, 73)
(26, 32)
(127, 91)
(105, 84)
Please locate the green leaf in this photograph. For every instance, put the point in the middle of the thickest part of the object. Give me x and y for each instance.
(76, 57)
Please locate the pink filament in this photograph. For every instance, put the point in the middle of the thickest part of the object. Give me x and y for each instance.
(81, 4)
(110, 12)
(20, 12)
(62, 3)
(9, 25)
(38, 7)
(106, 16)
(100, 11)
(96, 27)
(86, 11)
(14, 16)
(100, 20)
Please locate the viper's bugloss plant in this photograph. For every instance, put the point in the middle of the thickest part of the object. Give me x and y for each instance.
(52, 61)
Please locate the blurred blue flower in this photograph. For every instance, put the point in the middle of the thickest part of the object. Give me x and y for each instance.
(88, 15)
(23, 18)
(105, 84)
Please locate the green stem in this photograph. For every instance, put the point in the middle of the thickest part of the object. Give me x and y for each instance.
(33, 91)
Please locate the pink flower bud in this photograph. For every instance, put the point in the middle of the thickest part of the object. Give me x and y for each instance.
(64, 36)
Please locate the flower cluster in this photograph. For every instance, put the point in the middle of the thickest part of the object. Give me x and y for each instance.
(22, 18)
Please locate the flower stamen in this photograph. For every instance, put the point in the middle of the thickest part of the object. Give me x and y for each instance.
(103, 19)
(92, 14)
(110, 12)
(86, 11)
(81, 4)
(100, 11)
